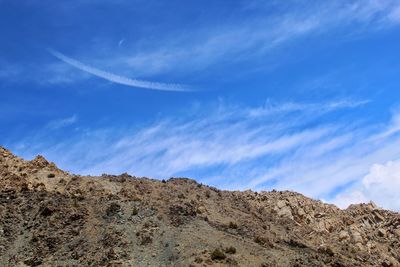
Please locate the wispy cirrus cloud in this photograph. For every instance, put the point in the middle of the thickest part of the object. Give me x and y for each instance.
(117, 78)
(231, 148)
(271, 25)
(259, 35)
(271, 108)
(9, 71)
(53, 73)
(61, 123)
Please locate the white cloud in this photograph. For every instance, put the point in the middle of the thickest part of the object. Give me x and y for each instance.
(381, 184)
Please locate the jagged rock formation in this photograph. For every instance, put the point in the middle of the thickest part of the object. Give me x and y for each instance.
(49, 217)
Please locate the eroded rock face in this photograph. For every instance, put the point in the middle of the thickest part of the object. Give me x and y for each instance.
(344, 236)
(51, 218)
(356, 237)
(283, 210)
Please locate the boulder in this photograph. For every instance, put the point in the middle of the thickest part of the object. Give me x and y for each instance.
(285, 212)
(356, 237)
(344, 236)
(381, 232)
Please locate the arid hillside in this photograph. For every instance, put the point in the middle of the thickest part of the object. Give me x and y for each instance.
(49, 217)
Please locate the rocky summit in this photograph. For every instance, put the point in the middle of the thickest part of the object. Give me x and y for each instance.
(49, 217)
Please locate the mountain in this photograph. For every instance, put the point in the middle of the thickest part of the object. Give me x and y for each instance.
(49, 217)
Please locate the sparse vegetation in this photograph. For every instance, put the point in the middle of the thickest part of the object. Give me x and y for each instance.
(233, 225)
(217, 254)
(135, 211)
(145, 239)
(261, 240)
(113, 209)
(230, 250)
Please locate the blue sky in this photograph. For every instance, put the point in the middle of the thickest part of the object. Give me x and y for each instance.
(298, 95)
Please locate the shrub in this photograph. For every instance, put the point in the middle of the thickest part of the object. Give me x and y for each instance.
(233, 225)
(46, 211)
(113, 209)
(135, 211)
(259, 240)
(51, 175)
(230, 250)
(263, 241)
(217, 254)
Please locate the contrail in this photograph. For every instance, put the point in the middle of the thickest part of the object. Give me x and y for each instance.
(116, 78)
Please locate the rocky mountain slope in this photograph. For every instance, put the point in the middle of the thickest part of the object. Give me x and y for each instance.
(49, 217)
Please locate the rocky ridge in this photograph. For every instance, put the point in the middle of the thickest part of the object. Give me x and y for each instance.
(49, 217)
